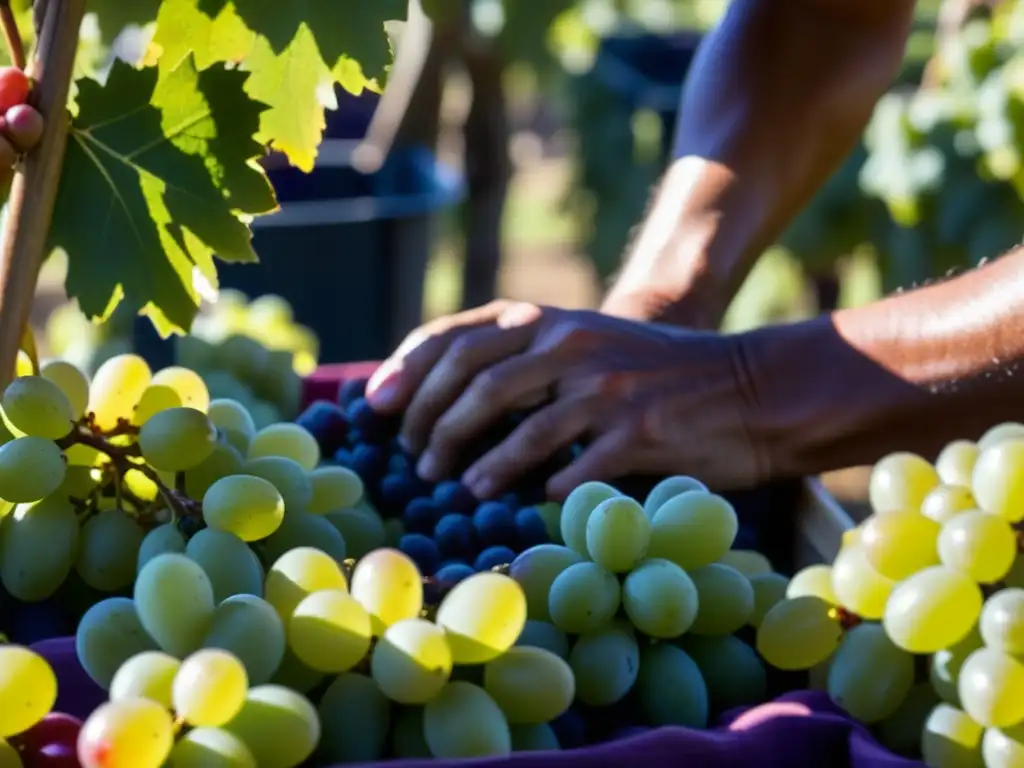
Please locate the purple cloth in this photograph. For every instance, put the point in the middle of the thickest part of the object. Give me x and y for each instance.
(800, 729)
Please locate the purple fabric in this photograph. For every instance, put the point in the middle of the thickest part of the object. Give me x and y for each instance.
(799, 729)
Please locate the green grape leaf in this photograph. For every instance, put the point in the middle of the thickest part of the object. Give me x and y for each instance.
(159, 168)
(114, 15)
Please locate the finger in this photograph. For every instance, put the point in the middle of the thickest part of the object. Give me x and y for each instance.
(472, 353)
(607, 458)
(530, 444)
(24, 127)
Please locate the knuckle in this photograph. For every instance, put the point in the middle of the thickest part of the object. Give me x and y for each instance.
(461, 351)
(487, 385)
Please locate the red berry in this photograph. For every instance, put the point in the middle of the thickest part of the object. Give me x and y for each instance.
(14, 88)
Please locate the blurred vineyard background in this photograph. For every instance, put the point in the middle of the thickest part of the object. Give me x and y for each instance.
(556, 118)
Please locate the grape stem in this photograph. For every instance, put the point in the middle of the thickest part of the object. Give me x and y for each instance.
(12, 36)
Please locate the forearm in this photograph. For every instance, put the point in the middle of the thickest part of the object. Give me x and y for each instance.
(913, 372)
(775, 99)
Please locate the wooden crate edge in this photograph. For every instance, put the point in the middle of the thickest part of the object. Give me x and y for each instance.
(821, 523)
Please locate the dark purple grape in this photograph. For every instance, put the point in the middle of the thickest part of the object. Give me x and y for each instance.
(531, 528)
(327, 422)
(492, 557)
(454, 496)
(422, 550)
(511, 500)
(397, 490)
(456, 537)
(421, 516)
(495, 524)
(369, 462)
(451, 573)
(350, 391)
(398, 463)
(373, 426)
(343, 457)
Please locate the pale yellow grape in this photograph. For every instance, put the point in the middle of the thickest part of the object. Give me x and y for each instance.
(1002, 621)
(899, 543)
(605, 664)
(769, 589)
(747, 561)
(138, 483)
(249, 507)
(933, 609)
(177, 439)
(155, 399)
(530, 685)
(23, 364)
(660, 599)
(857, 586)
(38, 407)
(389, 586)
(334, 488)
(947, 501)
(725, 600)
(991, 688)
(209, 688)
(944, 666)
(955, 463)
(225, 460)
(232, 417)
(463, 721)
(951, 739)
(618, 534)
(536, 569)
(869, 676)
(290, 479)
(583, 598)
(289, 440)
(412, 662)
(211, 748)
(900, 482)
(483, 616)
(330, 631)
(813, 580)
(980, 544)
(693, 529)
(187, 384)
(576, 511)
(299, 573)
(1003, 747)
(998, 480)
(116, 389)
(1010, 430)
(279, 726)
(28, 689)
(130, 733)
(31, 468)
(667, 489)
(146, 675)
(799, 633)
(9, 757)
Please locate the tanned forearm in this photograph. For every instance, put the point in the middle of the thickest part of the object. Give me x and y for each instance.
(913, 372)
(777, 96)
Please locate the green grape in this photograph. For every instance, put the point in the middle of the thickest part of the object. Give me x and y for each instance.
(330, 631)
(997, 482)
(483, 616)
(730, 668)
(71, 381)
(116, 389)
(28, 689)
(174, 599)
(944, 667)
(899, 543)
(130, 733)
(900, 482)
(933, 609)
(301, 572)
(136, 481)
(1003, 747)
(901, 731)
(295, 675)
(209, 688)
(1010, 430)
(225, 460)
(799, 633)
(9, 756)
(155, 399)
(1002, 621)
(287, 476)
(858, 587)
(334, 488)
(362, 530)
(279, 726)
(407, 737)
(693, 529)
(769, 589)
(108, 635)
(618, 534)
(605, 665)
(869, 676)
(747, 561)
(146, 675)
(38, 543)
(946, 501)
(533, 738)
(955, 463)
(670, 688)
(38, 407)
(356, 717)
(186, 384)
(228, 562)
(531, 685)
(979, 544)
(31, 468)
(164, 539)
(660, 599)
(108, 550)
(463, 721)
(412, 662)
(302, 529)
(991, 688)
(813, 580)
(551, 513)
(725, 600)
(669, 488)
(177, 439)
(234, 420)
(249, 628)
(394, 530)
(211, 748)
(247, 506)
(541, 634)
(583, 597)
(576, 512)
(536, 569)
(951, 739)
(288, 440)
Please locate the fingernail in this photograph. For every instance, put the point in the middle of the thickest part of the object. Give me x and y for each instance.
(382, 387)
(482, 487)
(426, 467)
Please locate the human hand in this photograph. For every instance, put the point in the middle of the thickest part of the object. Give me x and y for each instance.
(21, 127)
(646, 399)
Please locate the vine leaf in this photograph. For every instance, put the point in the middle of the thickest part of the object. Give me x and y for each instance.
(159, 169)
(295, 51)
